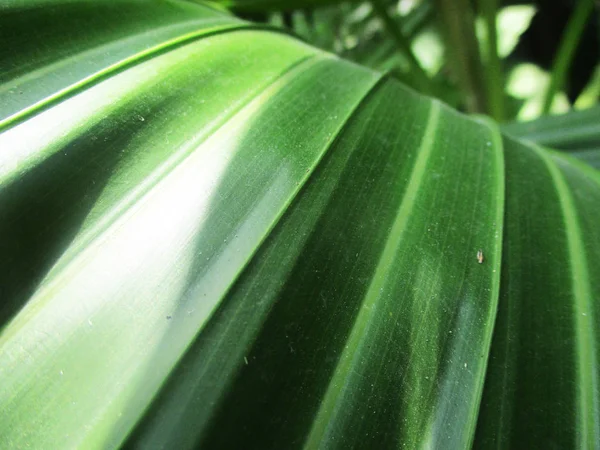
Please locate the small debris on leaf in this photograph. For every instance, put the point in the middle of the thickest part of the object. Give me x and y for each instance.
(480, 256)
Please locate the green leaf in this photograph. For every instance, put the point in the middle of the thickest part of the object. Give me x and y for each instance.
(117, 33)
(275, 5)
(241, 241)
(577, 132)
(543, 378)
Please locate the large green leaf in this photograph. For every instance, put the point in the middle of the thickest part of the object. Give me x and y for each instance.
(240, 241)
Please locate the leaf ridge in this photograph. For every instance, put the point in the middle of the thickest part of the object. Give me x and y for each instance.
(154, 179)
(336, 383)
(498, 146)
(130, 61)
(589, 385)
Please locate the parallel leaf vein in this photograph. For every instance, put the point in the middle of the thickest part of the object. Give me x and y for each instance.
(588, 384)
(338, 381)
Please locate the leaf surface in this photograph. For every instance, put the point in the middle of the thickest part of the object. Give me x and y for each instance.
(577, 132)
(242, 241)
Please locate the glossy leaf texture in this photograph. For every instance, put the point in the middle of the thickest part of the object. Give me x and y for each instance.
(239, 241)
(50, 49)
(577, 132)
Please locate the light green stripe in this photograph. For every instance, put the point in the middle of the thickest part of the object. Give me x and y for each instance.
(496, 263)
(114, 68)
(69, 262)
(591, 173)
(327, 409)
(587, 386)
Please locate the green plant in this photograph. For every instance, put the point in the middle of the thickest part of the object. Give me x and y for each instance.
(213, 234)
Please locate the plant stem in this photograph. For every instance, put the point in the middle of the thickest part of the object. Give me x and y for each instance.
(566, 50)
(463, 52)
(416, 20)
(493, 66)
(403, 45)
